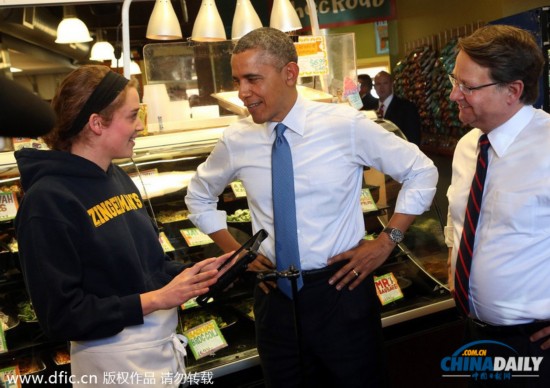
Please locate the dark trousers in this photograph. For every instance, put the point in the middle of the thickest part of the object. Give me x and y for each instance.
(517, 338)
(341, 337)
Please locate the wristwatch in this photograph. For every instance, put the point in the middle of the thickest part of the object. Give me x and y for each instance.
(395, 234)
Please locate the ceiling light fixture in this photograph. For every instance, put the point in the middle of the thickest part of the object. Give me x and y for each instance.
(284, 16)
(71, 29)
(245, 19)
(208, 26)
(101, 50)
(134, 67)
(165, 6)
(163, 23)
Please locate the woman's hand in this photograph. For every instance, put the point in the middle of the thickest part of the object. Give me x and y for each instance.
(218, 262)
(190, 283)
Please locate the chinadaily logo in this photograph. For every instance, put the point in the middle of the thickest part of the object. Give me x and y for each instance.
(489, 360)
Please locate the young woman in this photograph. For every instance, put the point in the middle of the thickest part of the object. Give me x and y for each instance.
(92, 262)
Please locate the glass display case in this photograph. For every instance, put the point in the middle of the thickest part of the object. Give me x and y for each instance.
(161, 168)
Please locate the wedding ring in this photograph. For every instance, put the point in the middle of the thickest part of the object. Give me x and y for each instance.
(355, 273)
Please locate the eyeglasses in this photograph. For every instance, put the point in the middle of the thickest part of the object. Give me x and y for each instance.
(467, 90)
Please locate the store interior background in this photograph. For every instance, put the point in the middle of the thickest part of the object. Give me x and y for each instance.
(416, 22)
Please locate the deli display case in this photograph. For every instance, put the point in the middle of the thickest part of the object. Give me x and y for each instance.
(161, 167)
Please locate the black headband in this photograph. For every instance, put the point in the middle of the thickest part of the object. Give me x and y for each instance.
(106, 91)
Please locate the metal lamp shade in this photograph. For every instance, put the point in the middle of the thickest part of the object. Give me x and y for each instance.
(72, 30)
(208, 26)
(163, 23)
(245, 19)
(284, 16)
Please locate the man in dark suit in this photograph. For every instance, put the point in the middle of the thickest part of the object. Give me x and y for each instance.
(399, 111)
(365, 86)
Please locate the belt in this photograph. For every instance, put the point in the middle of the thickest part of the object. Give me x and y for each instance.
(312, 275)
(523, 329)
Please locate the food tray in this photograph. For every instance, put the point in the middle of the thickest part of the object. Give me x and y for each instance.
(61, 356)
(30, 365)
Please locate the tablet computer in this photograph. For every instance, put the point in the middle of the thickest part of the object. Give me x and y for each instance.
(244, 256)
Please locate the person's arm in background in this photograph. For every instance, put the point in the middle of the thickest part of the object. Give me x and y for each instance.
(23, 114)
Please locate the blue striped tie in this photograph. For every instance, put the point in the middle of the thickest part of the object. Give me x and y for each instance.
(465, 250)
(284, 210)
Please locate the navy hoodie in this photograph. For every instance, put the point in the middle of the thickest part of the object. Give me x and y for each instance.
(87, 245)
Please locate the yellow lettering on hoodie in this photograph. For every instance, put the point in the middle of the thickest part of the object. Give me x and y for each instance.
(113, 207)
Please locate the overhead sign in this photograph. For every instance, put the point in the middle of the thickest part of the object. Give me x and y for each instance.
(339, 13)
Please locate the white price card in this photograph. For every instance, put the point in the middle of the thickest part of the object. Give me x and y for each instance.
(238, 189)
(8, 205)
(194, 237)
(312, 55)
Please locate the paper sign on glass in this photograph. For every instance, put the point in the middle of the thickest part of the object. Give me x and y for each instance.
(312, 55)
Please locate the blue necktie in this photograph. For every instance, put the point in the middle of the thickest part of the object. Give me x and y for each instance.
(466, 248)
(284, 210)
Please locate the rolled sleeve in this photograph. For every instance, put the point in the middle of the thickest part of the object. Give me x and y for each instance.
(210, 221)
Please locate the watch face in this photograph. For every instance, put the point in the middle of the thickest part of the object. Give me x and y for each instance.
(395, 234)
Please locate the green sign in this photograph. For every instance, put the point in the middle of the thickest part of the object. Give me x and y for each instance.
(338, 13)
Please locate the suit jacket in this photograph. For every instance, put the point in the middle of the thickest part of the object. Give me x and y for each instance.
(404, 114)
(369, 102)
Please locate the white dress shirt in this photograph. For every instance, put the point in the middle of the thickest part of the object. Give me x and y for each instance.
(510, 269)
(330, 144)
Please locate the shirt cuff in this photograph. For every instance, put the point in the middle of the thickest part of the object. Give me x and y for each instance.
(414, 201)
(210, 222)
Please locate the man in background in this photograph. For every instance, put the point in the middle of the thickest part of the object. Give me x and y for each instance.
(365, 86)
(501, 266)
(399, 111)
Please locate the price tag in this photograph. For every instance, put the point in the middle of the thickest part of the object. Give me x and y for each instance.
(8, 205)
(238, 189)
(3, 345)
(23, 142)
(165, 243)
(205, 339)
(387, 288)
(355, 101)
(194, 237)
(312, 55)
(189, 304)
(8, 376)
(367, 202)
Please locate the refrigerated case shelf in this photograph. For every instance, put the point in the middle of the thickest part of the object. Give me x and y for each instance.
(184, 151)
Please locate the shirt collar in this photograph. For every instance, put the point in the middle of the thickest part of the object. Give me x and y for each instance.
(295, 119)
(504, 135)
(387, 101)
